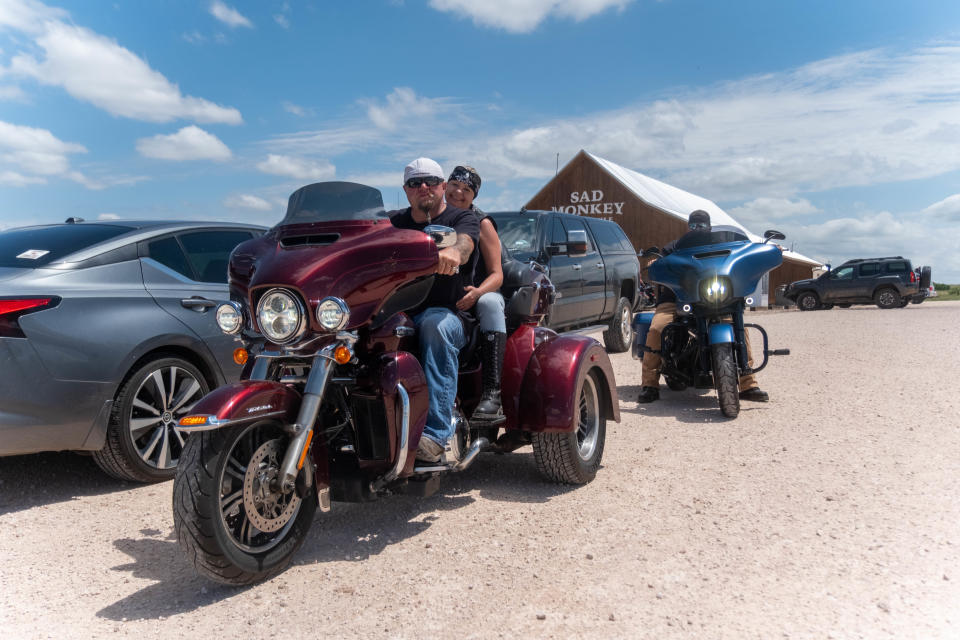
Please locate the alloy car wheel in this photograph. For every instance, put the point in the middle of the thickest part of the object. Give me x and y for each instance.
(808, 302)
(144, 441)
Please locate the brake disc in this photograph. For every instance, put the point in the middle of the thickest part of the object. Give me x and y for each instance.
(267, 510)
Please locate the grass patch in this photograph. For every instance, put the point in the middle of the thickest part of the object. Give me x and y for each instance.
(946, 292)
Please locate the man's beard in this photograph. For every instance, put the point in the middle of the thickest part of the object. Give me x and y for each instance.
(426, 205)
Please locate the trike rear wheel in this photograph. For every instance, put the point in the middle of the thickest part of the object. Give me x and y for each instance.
(574, 457)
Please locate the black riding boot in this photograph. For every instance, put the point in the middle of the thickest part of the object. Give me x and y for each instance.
(492, 346)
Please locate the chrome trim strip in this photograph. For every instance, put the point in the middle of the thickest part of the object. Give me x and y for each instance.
(214, 423)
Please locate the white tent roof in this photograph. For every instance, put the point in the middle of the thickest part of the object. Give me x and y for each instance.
(678, 202)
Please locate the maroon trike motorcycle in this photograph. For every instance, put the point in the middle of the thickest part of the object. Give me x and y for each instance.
(333, 399)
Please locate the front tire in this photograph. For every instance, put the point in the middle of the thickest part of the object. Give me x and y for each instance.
(619, 336)
(725, 379)
(228, 520)
(574, 457)
(143, 441)
(808, 301)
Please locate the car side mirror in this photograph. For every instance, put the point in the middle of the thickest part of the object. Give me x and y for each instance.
(772, 234)
(577, 242)
(651, 251)
(443, 236)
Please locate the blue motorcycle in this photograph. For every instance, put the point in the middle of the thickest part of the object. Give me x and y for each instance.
(714, 275)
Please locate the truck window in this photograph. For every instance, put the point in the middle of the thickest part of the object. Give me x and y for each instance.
(869, 269)
(606, 236)
(844, 273)
(897, 267)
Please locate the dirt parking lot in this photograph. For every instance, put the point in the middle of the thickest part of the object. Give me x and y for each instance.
(831, 512)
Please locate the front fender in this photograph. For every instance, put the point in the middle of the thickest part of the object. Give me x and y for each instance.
(721, 333)
(548, 399)
(242, 402)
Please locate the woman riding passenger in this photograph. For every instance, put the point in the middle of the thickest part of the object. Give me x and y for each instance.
(462, 187)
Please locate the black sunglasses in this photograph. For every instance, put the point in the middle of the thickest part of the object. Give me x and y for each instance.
(430, 181)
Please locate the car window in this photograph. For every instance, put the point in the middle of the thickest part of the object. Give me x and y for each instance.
(518, 234)
(606, 236)
(167, 252)
(844, 273)
(574, 224)
(897, 267)
(869, 269)
(558, 234)
(34, 247)
(625, 243)
(209, 252)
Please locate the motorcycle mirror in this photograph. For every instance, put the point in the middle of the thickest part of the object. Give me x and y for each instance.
(443, 236)
(773, 235)
(651, 251)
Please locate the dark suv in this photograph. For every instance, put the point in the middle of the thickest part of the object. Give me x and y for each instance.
(590, 261)
(889, 283)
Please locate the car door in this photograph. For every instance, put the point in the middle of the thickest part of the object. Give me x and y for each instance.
(841, 285)
(592, 274)
(186, 273)
(564, 272)
(867, 274)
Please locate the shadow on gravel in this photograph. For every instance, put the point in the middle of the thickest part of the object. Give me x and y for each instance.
(349, 532)
(46, 478)
(694, 406)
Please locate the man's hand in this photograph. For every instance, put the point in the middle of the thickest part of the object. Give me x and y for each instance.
(449, 261)
(467, 301)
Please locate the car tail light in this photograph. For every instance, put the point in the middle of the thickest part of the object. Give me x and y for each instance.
(913, 277)
(11, 309)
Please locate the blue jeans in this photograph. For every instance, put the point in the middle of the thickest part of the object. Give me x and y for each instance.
(441, 338)
(489, 310)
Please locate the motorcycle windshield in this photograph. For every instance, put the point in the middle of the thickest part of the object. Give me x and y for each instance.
(334, 201)
(721, 234)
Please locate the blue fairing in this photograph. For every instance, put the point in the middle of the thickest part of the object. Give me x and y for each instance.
(721, 333)
(744, 263)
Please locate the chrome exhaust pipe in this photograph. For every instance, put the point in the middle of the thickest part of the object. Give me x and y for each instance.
(471, 454)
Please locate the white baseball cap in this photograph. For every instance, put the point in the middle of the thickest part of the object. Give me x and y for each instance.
(422, 168)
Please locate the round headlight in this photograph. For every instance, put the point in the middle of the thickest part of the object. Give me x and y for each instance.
(333, 314)
(229, 317)
(716, 290)
(280, 316)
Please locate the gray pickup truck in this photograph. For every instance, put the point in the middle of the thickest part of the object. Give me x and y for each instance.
(590, 261)
(889, 283)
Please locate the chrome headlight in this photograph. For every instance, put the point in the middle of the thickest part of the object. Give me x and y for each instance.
(716, 290)
(230, 317)
(280, 316)
(333, 314)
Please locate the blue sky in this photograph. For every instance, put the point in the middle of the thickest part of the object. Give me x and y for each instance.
(837, 122)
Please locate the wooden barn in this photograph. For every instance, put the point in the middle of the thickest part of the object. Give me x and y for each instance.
(652, 213)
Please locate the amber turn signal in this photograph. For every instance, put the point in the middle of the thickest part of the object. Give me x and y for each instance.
(342, 355)
(192, 421)
(240, 355)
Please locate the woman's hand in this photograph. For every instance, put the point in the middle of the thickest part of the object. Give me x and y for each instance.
(470, 299)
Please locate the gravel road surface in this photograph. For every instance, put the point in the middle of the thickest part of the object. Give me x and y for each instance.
(831, 512)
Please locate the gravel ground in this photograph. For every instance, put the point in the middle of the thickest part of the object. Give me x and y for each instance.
(830, 512)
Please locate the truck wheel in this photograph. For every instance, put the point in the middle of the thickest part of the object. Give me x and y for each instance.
(887, 298)
(808, 301)
(574, 457)
(619, 336)
(143, 442)
(725, 379)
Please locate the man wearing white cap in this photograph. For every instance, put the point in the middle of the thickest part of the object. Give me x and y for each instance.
(440, 329)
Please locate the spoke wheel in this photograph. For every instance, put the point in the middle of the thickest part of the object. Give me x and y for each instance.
(575, 456)
(144, 442)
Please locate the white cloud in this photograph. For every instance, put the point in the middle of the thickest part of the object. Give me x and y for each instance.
(523, 16)
(403, 106)
(15, 179)
(12, 93)
(27, 153)
(228, 15)
(947, 209)
(761, 213)
(295, 109)
(98, 70)
(247, 201)
(282, 20)
(189, 143)
(299, 168)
